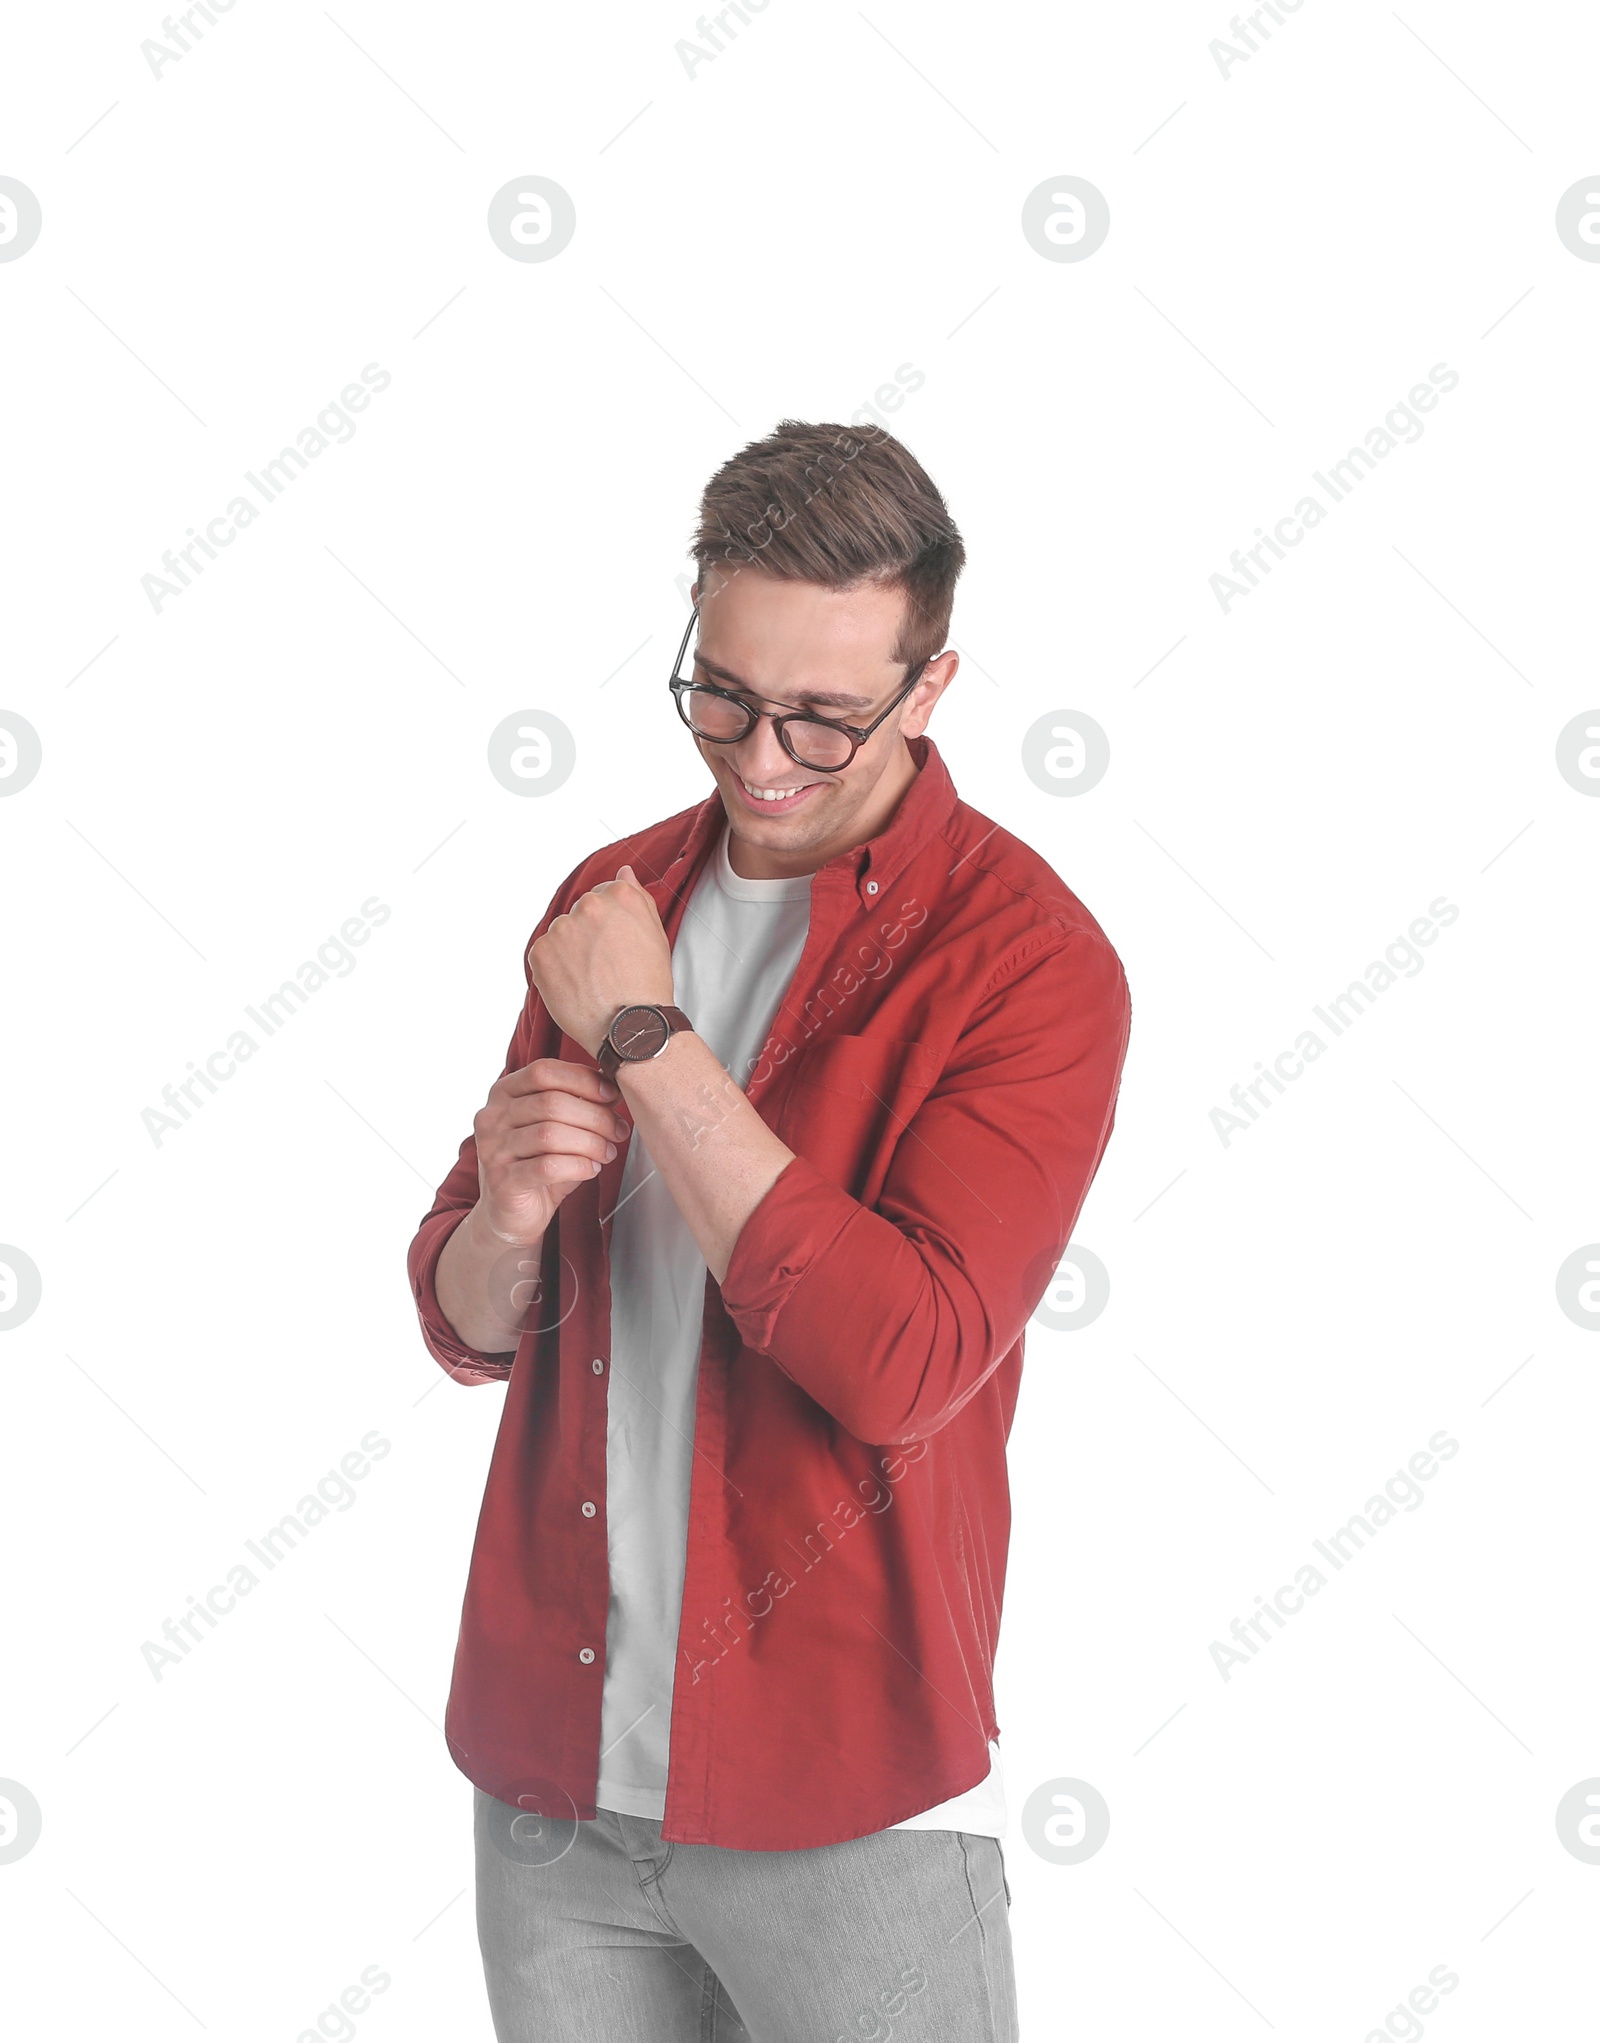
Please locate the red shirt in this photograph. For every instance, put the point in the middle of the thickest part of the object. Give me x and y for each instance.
(945, 1066)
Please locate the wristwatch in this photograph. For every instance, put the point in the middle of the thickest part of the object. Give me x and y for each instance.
(638, 1033)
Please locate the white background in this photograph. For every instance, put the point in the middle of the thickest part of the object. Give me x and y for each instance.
(1292, 782)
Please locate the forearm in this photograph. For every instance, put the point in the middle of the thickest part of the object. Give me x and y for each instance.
(716, 1155)
(474, 1281)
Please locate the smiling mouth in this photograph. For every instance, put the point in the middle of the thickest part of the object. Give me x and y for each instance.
(774, 801)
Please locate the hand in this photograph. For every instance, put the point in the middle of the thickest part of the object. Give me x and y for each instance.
(608, 951)
(543, 1129)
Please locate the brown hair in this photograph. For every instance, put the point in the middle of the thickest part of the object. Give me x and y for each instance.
(837, 505)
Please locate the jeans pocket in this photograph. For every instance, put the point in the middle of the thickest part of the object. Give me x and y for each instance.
(1005, 1883)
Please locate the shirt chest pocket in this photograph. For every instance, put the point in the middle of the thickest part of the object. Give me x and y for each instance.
(848, 1104)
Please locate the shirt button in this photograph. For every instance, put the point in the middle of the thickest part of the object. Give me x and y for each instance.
(586, 1655)
(872, 886)
(588, 1510)
(598, 1366)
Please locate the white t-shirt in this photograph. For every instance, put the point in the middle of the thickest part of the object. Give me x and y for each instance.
(731, 963)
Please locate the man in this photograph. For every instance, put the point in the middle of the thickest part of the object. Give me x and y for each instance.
(809, 1086)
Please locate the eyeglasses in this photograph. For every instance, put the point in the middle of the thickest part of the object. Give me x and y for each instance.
(820, 742)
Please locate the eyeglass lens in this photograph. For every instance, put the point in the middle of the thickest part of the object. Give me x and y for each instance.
(714, 716)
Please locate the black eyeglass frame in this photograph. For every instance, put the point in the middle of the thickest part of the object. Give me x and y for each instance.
(858, 734)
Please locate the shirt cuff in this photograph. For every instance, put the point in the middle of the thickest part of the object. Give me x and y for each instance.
(466, 1365)
(800, 1219)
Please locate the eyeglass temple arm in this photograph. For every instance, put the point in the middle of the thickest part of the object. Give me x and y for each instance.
(694, 618)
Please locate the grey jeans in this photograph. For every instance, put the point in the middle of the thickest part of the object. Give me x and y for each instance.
(599, 1932)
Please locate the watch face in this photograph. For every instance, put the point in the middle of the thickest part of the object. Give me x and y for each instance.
(638, 1033)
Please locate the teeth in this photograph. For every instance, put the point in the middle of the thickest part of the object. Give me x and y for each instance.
(767, 794)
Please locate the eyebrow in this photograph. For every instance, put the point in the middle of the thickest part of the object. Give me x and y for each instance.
(819, 697)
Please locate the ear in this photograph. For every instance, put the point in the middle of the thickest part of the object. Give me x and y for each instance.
(940, 673)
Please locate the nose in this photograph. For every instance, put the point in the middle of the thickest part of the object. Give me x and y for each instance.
(761, 759)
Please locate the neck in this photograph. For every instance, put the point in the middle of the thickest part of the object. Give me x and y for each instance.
(767, 862)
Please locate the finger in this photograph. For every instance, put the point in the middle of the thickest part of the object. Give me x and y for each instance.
(555, 1073)
(646, 897)
(627, 876)
(558, 1173)
(514, 1147)
(526, 1110)
(566, 1170)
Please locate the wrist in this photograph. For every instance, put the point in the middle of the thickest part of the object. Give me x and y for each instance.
(478, 1222)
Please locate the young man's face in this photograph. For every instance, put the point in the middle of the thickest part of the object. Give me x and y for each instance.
(797, 645)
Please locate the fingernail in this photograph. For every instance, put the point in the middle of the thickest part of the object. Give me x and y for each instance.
(593, 1168)
(611, 1150)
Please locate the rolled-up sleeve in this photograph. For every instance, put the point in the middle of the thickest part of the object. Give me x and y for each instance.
(453, 1201)
(893, 1316)
(466, 1365)
(535, 1035)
